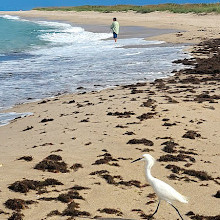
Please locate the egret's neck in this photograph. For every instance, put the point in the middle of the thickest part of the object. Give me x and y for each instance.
(148, 167)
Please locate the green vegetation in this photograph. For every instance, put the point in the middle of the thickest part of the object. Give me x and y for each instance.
(175, 8)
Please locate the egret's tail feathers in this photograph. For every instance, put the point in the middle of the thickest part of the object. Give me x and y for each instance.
(183, 199)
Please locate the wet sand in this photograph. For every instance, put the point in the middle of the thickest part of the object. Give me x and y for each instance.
(71, 158)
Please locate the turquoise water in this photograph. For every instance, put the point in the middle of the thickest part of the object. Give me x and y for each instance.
(40, 59)
(17, 36)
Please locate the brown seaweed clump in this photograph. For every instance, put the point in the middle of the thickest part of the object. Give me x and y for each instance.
(76, 166)
(179, 157)
(192, 215)
(146, 116)
(26, 158)
(52, 164)
(25, 185)
(54, 213)
(18, 204)
(201, 175)
(107, 158)
(217, 195)
(110, 211)
(72, 210)
(68, 197)
(16, 216)
(191, 134)
(148, 103)
(141, 141)
(46, 120)
(112, 179)
(121, 114)
(169, 146)
(77, 187)
(206, 97)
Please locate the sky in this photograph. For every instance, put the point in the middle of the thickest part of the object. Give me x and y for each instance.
(14, 5)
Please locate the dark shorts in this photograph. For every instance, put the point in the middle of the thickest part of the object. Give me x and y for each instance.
(115, 35)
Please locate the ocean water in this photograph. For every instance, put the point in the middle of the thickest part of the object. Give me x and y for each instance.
(40, 59)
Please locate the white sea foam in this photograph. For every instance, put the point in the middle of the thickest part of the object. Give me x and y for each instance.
(72, 57)
(10, 17)
(5, 118)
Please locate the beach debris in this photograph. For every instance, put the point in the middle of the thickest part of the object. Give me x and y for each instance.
(26, 158)
(54, 213)
(121, 126)
(2, 212)
(71, 101)
(99, 172)
(28, 128)
(191, 134)
(52, 164)
(201, 175)
(169, 146)
(148, 103)
(72, 210)
(46, 120)
(217, 195)
(121, 114)
(44, 101)
(110, 211)
(136, 91)
(16, 216)
(169, 124)
(1, 164)
(18, 204)
(206, 97)
(54, 157)
(56, 151)
(77, 187)
(69, 196)
(179, 157)
(26, 185)
(129, 133)
(141, 141)
(43, 145)
(146, 116)
(76, 166)
(113, 179)
(141, 213)
(194, 216)
(171, 100)
(85, 120)
(107, 158)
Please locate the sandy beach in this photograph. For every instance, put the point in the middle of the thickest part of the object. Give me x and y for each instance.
(72, 158)
(191, 28)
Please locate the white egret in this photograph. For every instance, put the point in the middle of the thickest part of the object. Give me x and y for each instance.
(162, 189)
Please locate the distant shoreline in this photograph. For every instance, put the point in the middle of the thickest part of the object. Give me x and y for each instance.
(198, 8)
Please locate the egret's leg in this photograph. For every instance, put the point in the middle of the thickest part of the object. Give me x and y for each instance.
(155, 210)
(176, 210)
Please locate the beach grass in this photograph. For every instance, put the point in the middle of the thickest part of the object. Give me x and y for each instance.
(175, 8)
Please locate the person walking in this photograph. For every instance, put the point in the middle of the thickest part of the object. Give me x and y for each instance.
(115, 28)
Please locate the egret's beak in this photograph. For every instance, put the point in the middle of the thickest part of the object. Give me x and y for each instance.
(137, 160)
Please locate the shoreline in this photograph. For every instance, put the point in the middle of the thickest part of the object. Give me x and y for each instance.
(125, 33)
(97, 135)
(196, 28)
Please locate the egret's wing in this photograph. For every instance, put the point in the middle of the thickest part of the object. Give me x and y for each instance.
(167, 192)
